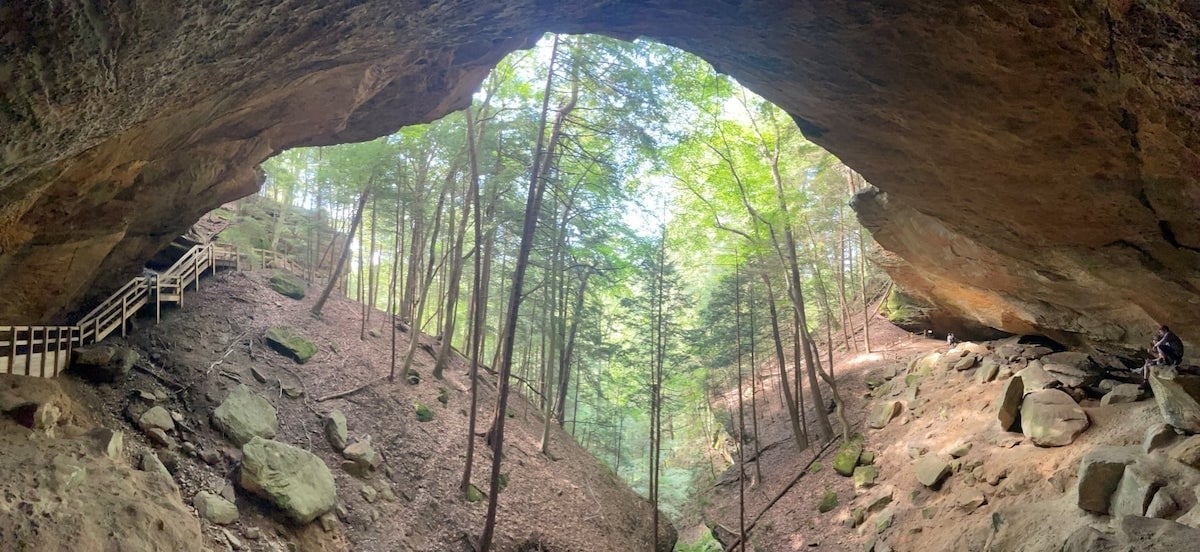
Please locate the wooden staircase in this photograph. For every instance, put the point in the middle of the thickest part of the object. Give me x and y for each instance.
(45, 351)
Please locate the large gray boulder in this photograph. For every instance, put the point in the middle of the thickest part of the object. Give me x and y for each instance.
(294, 480)
(1121, 393)
(1134, 492)
(244, 415)
(1036, 377)
(1100, 472)
(1178, 397)
(1051, 418)
(1008, 404)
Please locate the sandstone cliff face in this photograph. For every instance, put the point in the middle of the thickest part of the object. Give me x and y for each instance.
(1052, 149)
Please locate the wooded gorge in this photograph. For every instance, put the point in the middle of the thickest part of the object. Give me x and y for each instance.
(630, 240)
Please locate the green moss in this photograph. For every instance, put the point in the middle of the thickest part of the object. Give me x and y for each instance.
(903, 310)
(443, 395)
(424, 414)
(474, 494)
(828, 502)
(816, 468)
(288, 285)
(847, 458)
(288, 342)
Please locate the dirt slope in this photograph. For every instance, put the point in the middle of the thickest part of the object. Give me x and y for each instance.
(565, 502)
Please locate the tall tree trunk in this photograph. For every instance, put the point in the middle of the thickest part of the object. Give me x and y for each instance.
(362, 201)
(794, 413)
(477, 312)
(533, 204)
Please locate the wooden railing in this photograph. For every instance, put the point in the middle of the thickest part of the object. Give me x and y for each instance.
(45, 351)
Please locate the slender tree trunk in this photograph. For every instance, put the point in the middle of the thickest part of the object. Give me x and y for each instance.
(362, 201)
(793, 412)
(477, 311)
(737, 314)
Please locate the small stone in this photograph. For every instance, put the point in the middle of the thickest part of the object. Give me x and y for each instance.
(1008, 404)
(931, 470)
(146, 396)
(884, 520)
(215, 508)
(369, 493)
(157, 417)
(188, 448)
(917, 451)
(1162, 505)
(292, 391)
(159, 438)
(259, 375)
(866, 458)
(151, 464)
(884, 413)
(880, 500)
(386, 494)
(960, 450)
(364, 457)
(987, 372)
(864, 476)
(335, 430)
(1188, 452)
(252, 533)
(828, 502)
(111, 443)
(970, 501)
(234, 543)
(443, 396)
(424, 414)
(966, 363)
(1121, 393)
(857, 516)
(1157, 436)
(229, 492)
(176, 417)
(329, 522)
(473, 493)
(210, 456)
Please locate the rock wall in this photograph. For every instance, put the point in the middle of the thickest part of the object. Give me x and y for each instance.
(1058, 140)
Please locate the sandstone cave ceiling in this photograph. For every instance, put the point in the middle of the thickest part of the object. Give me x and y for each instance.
(1038, 163)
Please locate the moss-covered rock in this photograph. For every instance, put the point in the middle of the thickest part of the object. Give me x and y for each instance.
(828, 502)
(288, 285)
(294, 480)
(905, 311)
(473, 493)
(288, 342)
(424, 414)
(443, 395)
(847, 457)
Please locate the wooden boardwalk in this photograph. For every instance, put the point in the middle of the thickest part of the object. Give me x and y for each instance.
(45, 351)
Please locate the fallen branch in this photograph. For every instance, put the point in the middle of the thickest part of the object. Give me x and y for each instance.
(354, 391)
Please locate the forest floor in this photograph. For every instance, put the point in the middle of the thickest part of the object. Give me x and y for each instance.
(198, 353)
(1028, 492)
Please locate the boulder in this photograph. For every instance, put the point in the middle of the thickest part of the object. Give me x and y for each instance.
(987, 371)
(1100, 472)
(1051, 418)
(970, 500)
(1163, 505)
(156, 418)
(931, 470)
(966, 363)
(244, 415)
(1157, 436)
(288, 285)
(1035, 377)
(215, 508)
(828, 502)
(424, 414)
(150, 463)
(1070, 376)
(294, 480)
(1178, 397)
(1121, 393)
(1008, 405)
(104, 362)
(1188, 452)
(960, 450)
(335, 430)
(290, 343)
(847, 458)
(1145, 534)
(883, 413)
(1073, 359)
(1134, 492)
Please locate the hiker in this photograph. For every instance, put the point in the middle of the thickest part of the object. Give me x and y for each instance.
(950, 341)
(1167, 347)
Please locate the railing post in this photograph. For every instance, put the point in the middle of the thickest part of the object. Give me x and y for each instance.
(42, 363)
(124, 312)
(157, 300)
(12, 349)
(211, 262)
(196, 269)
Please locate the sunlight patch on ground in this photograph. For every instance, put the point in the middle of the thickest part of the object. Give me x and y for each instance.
(862, 358)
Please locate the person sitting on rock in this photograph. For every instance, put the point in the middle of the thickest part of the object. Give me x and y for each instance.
(1168, 347)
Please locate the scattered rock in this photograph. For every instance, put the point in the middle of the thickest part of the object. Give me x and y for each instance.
(104, 362)
(1157, 436)
(1134, 492)
(210, 456)
(1008, 405)
(1089, 539)
(424, 414)
(1162, 505)
(966, 363)
(1121, 393)
(369, 493)
(1100, 472)
(252, 533)
(159, 438)
(150, 463)
(215, 508)
(1069, 376)
(847, 458)
(244, 415)
(917, 451)
(884, 520)
(1035, 378)
(1177, 395)
(828, 502)
(288, 285)
(1188, 452)
(363, 458)
(474, 494)
(259, 375)
(1051, 418)
(335, 430)
(987, 371)
(883, 413)
(290, 343)
(233, 541)
(857, 517)
(866, 458)
(295, 480)
(864, 476)
(157, 417)
(970, 501)
(960, 450)
(1157, 535)
(880, 500)
(931, 470)
(110, 442)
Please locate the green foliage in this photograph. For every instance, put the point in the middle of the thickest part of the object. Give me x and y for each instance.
(424, 414)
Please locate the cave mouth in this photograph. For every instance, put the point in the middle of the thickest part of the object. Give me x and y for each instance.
(648, 139)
